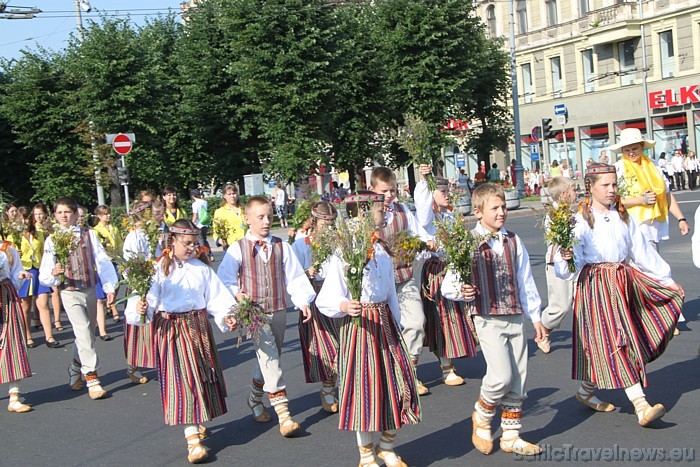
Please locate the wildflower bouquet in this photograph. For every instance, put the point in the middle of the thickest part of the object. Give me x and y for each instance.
(559, 224)
(458, 245)
(301, 215)
(64, 243)
(220, 229)
(138, 272)
(15, 230)
(323, 244)
(418, 138)
(249, 315)
(405, 246)
(627, 186)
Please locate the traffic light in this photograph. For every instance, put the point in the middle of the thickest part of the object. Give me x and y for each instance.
(123, 175)
(547, 132)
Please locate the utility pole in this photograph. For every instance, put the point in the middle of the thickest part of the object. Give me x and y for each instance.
(519, 181)
(647, 118)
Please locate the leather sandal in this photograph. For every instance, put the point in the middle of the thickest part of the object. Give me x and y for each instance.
(382, 455)
(196, 452)
(520, 446)
(17, 405)
(598, 407)
(264, 417)
(203, 432)
(330, 407)
(484, 446)
(450, 377)
(651, 413)
(135, 376)
(58, 326)
(367, 456)
(30, 343)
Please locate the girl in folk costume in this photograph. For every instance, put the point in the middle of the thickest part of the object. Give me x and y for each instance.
(616, 334)
(111, 238)
(230, 215)
(31, 291)
(448, 330)
(43, 226)
(184, 290)
(14, 363)
(138, 340)
(171, 204)
(648, 198)
(319, 336)
(378, 386)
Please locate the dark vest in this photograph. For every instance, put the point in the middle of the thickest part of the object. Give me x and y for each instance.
(263, 282)
(80, 270)
(399, 222)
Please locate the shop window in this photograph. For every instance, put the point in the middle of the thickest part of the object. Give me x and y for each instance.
(670, 133)
(668, 59)
(595, 140)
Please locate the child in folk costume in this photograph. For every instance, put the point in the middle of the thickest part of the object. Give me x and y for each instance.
(448, 327)
(560, 292)
(408, 287)
(85, 263)
(184, 290)
(14, 362)
(626, 304)
(262, 267)
(139, 347)
(318, 336)
(501, 290)
(378, 386)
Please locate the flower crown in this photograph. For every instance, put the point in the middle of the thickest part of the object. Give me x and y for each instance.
(365, 198)
(601, 169)
(323, 216)
(183, 231)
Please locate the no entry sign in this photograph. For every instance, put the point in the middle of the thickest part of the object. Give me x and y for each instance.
(122, 144)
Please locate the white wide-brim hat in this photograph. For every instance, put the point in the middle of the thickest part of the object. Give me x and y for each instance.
(631, 136)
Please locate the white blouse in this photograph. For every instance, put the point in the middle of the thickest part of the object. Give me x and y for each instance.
(194, 286)
(613, 241)
(135, 244)
(378, 285)
(11, 272)
(425, 215)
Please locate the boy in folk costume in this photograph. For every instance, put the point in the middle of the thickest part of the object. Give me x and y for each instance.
(407, 276)
(262, 267)
(139, 347)
(184, 290)
(84, 265)
(378, 385)
(14, 362)
(501, 290)
(616, 334)
(448, 327)
(318, 336)
(560, 292)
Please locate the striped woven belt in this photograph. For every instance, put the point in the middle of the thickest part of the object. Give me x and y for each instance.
(373, 306)
(182, 315)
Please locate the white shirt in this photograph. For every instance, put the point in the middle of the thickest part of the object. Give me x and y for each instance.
(296, 283)
(695, 239)
(136, 244)
(194, 286)
(654, 230)
(677, 162)
(613, 242)
(280, 196)
(412, 223)
(103, 263)
(527, 289)
(197, 205)
(11, 272)
(377, 285)
(425, 215)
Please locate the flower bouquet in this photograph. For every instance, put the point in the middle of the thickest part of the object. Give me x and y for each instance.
(322, 246)
(405, 246)
(627, 186)
(64, 243)
(559, 224)
(300, 217)
(15, 230)
(457, 245)
(220, 229)
(249, 315)
(138, 272)
(418, 138)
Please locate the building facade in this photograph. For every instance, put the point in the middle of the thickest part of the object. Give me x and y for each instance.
(588, 56)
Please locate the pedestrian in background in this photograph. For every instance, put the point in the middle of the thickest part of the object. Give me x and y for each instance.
(201, 218)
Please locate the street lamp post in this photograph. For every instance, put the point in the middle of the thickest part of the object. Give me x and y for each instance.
(519, 181)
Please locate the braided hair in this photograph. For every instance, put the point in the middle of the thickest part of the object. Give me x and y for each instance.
(585, 206)
(167, 263)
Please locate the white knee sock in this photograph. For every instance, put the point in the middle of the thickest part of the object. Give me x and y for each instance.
(15, 387)
(634, 392)
(191, 430)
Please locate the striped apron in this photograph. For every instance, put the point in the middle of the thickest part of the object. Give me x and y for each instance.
(14, 363)
(319, 343)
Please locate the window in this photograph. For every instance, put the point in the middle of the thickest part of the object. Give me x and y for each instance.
(668, 61)
(626, 59)
(491, 20)
(527, 83)
(521, 13)
(588, 70)
(583, 8)
(556, 75)
(551, 6)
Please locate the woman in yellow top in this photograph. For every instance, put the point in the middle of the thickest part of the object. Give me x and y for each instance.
(43, 222)
(229, 226)
(111, 239)
(173, 211)
(31, 250)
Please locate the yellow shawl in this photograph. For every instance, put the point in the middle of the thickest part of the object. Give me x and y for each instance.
(645, 177)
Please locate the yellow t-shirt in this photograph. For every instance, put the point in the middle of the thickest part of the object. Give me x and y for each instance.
(232, 219)
(169, 218)
(32, 251)
(110, 237)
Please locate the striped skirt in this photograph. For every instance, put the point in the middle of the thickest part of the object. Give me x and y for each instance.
(377, 378)
(449, 330)
(139, 346)
(319, 344)
(14, 363)
(192, 386)
(623, 320)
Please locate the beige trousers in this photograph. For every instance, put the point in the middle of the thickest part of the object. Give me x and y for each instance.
(412, 316)
(269, 352)
(81, 308)
(504, 346)
(560, 299)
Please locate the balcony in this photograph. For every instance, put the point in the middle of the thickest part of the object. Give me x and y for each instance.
(613, 24)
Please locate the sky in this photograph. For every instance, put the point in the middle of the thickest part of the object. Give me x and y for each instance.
(52, 27)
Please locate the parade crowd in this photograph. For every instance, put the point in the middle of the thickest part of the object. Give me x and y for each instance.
(361, 343)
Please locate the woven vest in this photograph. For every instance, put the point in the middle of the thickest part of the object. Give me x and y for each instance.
(80, 269)
(399, 222)
(496, 279)
(263, 282)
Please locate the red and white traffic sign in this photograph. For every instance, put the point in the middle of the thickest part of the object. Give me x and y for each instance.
(122, 144)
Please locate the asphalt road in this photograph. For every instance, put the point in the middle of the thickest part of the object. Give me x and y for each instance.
(67, 428)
